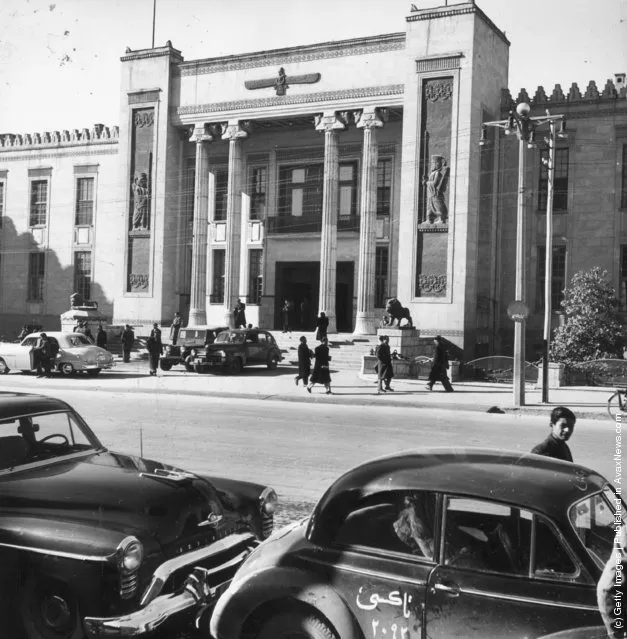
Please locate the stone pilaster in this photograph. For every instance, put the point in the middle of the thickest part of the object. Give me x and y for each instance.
(198, 288)
(331, 124)
(369, 120)
(234, 132)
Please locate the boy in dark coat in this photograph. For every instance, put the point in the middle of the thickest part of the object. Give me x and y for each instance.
(304, 361)
(562, 426)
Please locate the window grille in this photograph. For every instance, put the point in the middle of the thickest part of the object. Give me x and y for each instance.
(82, 273)
(384, 186)
(258, 189)
(85, 201)
(38, 202)
(36, 276)
(255, 282)
(560, 180)
(219, 257)
(222, 191)
(381, 276)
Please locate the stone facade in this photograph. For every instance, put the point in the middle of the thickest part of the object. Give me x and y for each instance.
(338, 174)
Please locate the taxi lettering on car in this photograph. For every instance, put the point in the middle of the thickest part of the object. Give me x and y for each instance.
(437, 543)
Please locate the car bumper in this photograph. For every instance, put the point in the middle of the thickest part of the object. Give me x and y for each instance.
(201, 589)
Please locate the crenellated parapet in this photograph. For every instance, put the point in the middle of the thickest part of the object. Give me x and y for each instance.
(611, 92)
(99, 134)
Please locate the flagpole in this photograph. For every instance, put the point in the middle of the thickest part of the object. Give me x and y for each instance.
(154, 15)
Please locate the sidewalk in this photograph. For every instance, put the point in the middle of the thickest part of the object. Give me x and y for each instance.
(349, 387)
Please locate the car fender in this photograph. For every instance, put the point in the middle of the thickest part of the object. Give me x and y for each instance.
(266, 588)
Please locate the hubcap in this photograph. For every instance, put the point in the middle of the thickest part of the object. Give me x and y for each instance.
(55, 612)
(67, 369)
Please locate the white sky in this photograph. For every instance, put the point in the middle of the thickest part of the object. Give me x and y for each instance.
(59, 59)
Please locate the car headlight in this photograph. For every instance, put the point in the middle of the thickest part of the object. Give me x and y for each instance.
(268, 501)
(130, 554)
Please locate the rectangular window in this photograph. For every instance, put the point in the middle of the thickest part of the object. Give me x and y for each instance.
(222, 191)
(348, 189)
(82, 273)
(558, 279)
(255, 281)
(36, 276)
(381, 276)
(217, 296)
(38, 202)
(84, 202)
(384, 186)
(623, 196)
(258, 189)
(1, 203)
(560, 180)
(300, 191)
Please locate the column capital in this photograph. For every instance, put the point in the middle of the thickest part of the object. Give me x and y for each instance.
(235, 129)
(202, 132)
(371, 117)
(331, 120)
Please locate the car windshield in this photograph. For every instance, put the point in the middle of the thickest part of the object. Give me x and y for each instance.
(191, 334)
(596, 519)
(32, 438)
(230, 338)
(77, 340)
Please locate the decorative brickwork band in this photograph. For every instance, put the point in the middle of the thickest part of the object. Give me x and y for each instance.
(443, 63)
(144, 96)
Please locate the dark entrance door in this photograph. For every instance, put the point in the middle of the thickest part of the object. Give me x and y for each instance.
(299, 282)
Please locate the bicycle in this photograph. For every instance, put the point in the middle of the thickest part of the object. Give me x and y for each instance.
(617, 403)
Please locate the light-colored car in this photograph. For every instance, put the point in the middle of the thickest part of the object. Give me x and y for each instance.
(76, 354)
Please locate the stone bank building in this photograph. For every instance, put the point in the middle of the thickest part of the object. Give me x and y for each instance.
(333, 175)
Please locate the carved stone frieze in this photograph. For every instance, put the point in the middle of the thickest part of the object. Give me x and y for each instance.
(235, 130)
(144, 117)
(330, 121)
(432, 283)
(438, 90)
(138, 281)
(371, 118)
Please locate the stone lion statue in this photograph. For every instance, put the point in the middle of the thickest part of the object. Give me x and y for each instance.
(396, 312)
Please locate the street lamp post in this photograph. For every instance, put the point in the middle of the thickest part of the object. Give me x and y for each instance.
(523, 126)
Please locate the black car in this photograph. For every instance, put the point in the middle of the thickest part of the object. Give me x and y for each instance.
(435, 544)
(96, 541)
(191, 340)
(233, 349)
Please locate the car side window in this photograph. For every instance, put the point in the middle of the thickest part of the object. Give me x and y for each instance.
(488, 536)
(262, 338)
(394, 521)
(30, 341)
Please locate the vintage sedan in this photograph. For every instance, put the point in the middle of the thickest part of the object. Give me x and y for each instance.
(233, 349)
(436, 543)
(190, 342)
(97, 542)
(76, 354)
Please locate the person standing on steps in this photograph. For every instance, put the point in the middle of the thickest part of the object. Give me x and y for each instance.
(175, 327)
(128, 339)
(439, 367)
(385, 372)
(321, 373)
(304, 361)
(322, 324)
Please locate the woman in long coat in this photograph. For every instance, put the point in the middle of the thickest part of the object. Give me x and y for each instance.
(304, 361)
(385, 371)
(321, 373)
(439, 367)
(322, 324)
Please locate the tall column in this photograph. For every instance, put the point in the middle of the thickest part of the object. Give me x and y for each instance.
(234, 132)
(330, 124)
(369, 120)
(198, 288)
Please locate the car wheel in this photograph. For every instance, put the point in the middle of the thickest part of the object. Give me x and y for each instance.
(165, 366)
(49, 610)
(189, 367)
(198, 368)
(235, 366)
(273, 362)
(4, 369)
(93, 372)
(66, 369)
(295, 625)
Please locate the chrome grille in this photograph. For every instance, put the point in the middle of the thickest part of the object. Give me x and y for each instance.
(128, 584)
(268, 525)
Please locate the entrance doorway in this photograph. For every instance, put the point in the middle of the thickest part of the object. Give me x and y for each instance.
(299, 282)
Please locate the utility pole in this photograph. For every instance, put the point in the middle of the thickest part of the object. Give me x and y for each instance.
(523, 126)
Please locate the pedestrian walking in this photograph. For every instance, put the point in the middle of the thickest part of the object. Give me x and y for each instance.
(439, 367)
(175, 327)
(562, 426)
(321, 373)
(128, 339)
(304, 361)
(322, 324)
(285, 315)
(42, 356)
(239, 315)
(385, 370)
(101, 337)
(155, 348)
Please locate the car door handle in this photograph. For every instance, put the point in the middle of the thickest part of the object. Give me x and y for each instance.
(448, 589)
